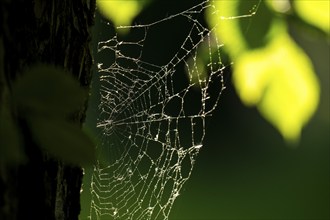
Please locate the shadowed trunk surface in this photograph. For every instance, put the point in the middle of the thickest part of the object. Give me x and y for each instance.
(53, 32)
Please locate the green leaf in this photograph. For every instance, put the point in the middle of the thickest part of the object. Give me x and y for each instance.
(256, 29)
(270, 70)
(279, 79)
(11, 151)
(64, 140)
(48, 90)
(316, 12)
(232, 21)
(122, 12)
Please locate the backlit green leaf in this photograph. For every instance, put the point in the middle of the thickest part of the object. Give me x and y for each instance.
(279, 79)
(231, 21)
(122, 12)
(270, 70)
(316, 12)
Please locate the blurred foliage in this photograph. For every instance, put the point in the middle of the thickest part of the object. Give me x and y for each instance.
(314, 12)
(43, 98)
(270, 70)
(63, 139)
(280, 81)
(48, 91)
(121, 13)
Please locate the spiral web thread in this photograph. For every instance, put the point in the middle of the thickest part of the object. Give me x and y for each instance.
(153, 120)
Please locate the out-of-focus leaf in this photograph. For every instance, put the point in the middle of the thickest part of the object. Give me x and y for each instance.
(62, 139)
(270, 70)
(231, 20)
(10, 140)
(257, 28)
(316, 12)
(47, 90)
(282, 6)
(122, 12)
(279, 79)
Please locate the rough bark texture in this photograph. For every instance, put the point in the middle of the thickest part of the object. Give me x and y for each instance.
(54, 32)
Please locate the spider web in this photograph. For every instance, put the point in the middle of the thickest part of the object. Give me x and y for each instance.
(153, 118)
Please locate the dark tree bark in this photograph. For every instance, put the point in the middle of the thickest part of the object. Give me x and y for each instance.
(58, 33)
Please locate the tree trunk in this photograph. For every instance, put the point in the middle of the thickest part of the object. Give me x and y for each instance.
(54, 32)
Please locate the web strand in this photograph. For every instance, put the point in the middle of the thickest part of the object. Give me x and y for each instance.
(152, 119)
